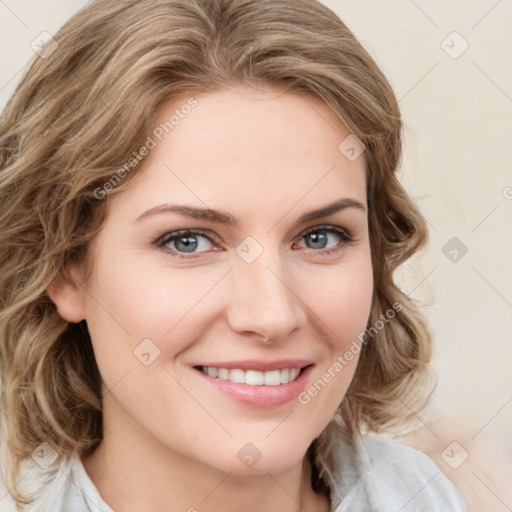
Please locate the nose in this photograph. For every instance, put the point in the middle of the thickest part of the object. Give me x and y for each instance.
(262, 301)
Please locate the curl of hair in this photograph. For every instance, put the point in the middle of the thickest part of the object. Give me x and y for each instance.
(81, 113)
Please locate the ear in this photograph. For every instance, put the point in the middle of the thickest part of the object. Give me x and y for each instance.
(67, 293)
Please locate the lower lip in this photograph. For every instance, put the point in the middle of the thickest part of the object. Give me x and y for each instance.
(260, 396)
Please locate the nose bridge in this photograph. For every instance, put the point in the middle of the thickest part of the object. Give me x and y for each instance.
(262, 296)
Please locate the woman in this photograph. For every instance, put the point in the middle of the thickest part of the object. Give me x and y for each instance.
(201, 221)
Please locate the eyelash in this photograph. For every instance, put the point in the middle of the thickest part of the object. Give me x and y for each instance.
(345, 239)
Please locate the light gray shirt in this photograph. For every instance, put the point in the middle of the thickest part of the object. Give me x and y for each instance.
(374, 476)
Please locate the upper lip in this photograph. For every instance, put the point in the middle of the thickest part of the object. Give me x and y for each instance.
(258, 365)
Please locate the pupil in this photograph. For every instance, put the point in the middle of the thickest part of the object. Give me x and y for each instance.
(318, 239)
(189, 243)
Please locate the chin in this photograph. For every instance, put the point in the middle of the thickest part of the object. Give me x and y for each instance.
(261, 456)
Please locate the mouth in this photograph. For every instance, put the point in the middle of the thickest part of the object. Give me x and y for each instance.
(257, 384)
(252, 377)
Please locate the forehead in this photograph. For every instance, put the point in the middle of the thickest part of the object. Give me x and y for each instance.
(236, 123)
(248, 147)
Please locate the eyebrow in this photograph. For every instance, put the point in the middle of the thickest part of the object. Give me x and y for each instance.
(226, 218)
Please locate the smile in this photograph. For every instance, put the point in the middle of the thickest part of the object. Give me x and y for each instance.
(253, 377)
(257, 383)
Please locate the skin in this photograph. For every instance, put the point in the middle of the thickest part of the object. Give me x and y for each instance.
(170, 439)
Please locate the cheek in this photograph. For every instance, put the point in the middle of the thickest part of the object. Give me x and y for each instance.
(129, 302)
(341, 302)
(351, 310)
(342, 307)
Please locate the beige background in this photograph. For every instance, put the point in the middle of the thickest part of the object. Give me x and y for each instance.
(457, 108)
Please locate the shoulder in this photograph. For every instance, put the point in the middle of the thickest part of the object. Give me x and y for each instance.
(46, 484)
(409, 475)
(6, 502)
(378, 475)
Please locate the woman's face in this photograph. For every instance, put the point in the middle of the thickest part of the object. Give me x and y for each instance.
(213, 260)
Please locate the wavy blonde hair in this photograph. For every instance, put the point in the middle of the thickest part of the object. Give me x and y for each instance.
(82, 111)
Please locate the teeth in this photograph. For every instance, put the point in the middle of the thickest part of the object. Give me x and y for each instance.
(272, 378)
(213, 372)
(253, 377)
(223, 374)
(237, 376)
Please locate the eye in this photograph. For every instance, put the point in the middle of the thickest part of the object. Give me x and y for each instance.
(186, 242)
(327, 239)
